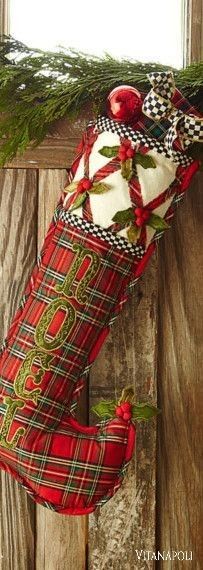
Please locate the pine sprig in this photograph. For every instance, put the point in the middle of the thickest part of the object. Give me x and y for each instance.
(38, 87)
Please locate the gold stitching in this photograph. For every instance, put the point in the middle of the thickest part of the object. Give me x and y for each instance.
(7, 421)
(45, 320)
(25, 371)
(66, 286)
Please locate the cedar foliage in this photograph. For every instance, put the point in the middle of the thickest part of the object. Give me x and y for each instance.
(39, 87)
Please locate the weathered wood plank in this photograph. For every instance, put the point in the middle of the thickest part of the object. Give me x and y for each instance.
(180, 352)
(51, 153)
(18, 201)
(58, 148)
(127, 522)
(60, 540)
(194, 31)
(4, 17)
(180, 490)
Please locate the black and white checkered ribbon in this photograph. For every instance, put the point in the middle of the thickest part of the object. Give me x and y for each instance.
(115, 240)
(157, 105)
(139, 137)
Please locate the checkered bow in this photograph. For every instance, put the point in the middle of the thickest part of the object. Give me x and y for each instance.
(158, 105)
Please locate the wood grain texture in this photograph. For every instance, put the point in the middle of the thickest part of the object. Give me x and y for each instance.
(58, 148)
(194, 31)
(180, 350)
(18, 201)
(180, 355)
(127, 522)
(4, 17)
(60, 540)
(18, 207)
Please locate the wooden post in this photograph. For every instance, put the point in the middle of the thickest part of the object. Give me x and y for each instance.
(127, 521)
(18, 205)
(180, 331)
(4, 17)
(193, 35)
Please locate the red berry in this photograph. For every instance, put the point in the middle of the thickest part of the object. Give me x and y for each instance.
(130, 153)
(138, 211)
(122, 155)
(126, 406)
(119, 412)
(123, 147)
(87, 184)
(146, 215)
(139, 222)
(127, 416)
(80, 186)
(126, 143)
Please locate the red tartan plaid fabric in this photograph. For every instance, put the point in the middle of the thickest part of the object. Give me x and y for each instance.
(61, 464)
(76, 290)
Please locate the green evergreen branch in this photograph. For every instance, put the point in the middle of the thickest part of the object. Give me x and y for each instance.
(38, 87)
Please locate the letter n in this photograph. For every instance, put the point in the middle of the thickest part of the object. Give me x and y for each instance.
(94, 262)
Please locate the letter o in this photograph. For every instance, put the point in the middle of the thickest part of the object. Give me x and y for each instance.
(181, 552)
(46, 319)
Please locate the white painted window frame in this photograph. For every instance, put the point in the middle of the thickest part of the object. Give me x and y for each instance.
(192, 27)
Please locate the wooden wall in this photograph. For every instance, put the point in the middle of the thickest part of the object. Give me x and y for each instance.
(156, 343)
(33, 537)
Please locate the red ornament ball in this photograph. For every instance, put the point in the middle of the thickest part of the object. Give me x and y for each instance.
(124, 103)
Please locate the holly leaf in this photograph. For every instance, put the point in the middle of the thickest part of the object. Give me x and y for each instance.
(140, 411)
(157, 222)
(79, 201)
(104, 409)
(99, 188)
(144, 411)
(71, 187)
(127, 169)
(145, 160)
(124, 216)
(133, 233)
(109, 151)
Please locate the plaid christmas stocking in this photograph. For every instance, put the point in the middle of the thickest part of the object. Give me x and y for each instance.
(120, 197)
